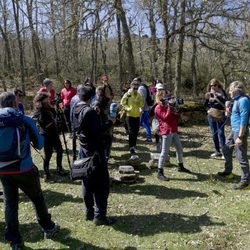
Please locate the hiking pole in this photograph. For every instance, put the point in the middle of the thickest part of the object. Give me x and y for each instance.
(66, 148)
(37, 151)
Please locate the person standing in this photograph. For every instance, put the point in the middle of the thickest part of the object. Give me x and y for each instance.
(95, 188)
(168, 129)
(237, 140)
(47, 87)
(132, 103)
(67, 93)
(47, 120)
(18, 170)
(216, 98)
(19, 94)
(143, 90)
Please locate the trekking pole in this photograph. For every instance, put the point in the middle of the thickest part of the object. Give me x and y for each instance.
(66, 148)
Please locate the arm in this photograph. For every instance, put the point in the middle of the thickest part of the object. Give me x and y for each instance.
(124, 101)
(34, 134)
(143, 92)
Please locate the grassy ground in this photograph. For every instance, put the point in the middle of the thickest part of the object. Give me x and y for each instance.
(191, 211)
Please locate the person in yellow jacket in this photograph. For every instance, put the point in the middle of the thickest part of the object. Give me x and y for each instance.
(132, 103)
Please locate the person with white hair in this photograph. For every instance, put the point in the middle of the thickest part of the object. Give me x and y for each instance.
(238, 137)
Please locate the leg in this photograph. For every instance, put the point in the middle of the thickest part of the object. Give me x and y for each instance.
(221, 132)
(228, 153)
(74, 145)
(29, 183)
(166, 142)
(48, 150)
(59, 151)
(11, 196)
(178, 147)
(88, 197)
(241, 155)
(145, 124)
(130, 131)
(214, 131)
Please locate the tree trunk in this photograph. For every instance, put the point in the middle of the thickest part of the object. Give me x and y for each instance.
(180, 49)
(127, 38)
(119, 47)
(16, 8)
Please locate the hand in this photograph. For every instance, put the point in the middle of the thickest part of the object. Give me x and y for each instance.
(238, 141)
(130, 91)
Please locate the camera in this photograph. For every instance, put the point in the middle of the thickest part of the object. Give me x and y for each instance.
(57, 100)
(172, 101)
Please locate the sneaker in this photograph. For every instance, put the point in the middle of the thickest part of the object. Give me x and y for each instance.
(222, 157)
(106, 221)
(133, 150)
(47, 177)
(148, 140)
(241, 186)
(18, 246)
(49, 233)
(215, 154)
(228, 175)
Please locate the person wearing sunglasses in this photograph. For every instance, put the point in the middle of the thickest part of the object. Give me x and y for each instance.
(132, 103)
(215, 99)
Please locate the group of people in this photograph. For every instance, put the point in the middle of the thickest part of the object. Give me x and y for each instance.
(87, 111)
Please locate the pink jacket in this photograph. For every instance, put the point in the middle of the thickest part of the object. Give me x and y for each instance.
(67, 95)
(168, 119)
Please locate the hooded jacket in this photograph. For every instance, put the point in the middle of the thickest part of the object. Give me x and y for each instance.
(30, 134)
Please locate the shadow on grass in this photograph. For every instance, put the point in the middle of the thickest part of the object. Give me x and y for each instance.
(53, 198)
(32, 233)
(145, 225)
(160, 192)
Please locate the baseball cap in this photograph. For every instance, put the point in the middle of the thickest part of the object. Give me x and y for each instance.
(159, 86)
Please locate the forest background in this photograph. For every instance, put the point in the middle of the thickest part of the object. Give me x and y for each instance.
(184, 43)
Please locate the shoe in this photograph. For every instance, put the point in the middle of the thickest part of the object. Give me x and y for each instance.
(161, 175)
(181, 168)
(89, 217)
(215, 154)
(148, 140)
(106, 221)
(49, 233)
(241, 186)
(47, 177)
(133, 150)
(61, 172)
(228, 175)
(222, 157)
(18, 246)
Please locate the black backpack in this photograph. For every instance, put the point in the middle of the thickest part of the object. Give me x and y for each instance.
(149, 99)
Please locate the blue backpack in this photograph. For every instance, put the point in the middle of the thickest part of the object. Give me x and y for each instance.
(12, 133)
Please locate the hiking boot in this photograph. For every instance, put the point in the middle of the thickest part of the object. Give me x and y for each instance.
(50, 233)
(181, 168)
(18, 246)
(105, 221)
(161, 176)
(89, 217)
(228, 175)
(241, 186)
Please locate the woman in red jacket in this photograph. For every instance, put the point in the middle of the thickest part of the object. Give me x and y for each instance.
(67, 93)
(168, 128)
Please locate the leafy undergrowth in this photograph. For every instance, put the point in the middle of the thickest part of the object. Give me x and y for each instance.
(191, 211)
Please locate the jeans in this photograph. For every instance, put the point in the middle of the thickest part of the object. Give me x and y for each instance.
(50, 143)
(133, 130)
(166, 143)
(145, 123)
(217, 128)
(241, 155)
(96, 189)
(29, 183)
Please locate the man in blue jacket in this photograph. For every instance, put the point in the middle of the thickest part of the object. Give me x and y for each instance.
(238, 137)
(17, 169)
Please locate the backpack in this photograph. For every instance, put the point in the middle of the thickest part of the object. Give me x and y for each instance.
(12, 133)
(149, 99)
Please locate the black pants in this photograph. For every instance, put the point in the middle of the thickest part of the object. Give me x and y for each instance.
(66, 111)
(74, 149)
(133, 124)
(96, 189)
(29, 183)
(52, 142)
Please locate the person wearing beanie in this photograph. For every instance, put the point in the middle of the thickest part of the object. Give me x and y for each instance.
(47, 87)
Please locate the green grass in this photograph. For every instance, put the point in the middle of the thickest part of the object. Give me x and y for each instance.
(195, 211)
